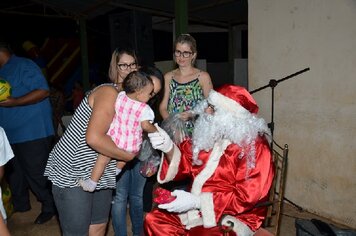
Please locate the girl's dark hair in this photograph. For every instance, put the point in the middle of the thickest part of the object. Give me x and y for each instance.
(154, 72)
(135, 81)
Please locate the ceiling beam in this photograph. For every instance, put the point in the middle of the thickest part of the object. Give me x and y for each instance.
(169, 14)
(46, 8)
(17, 7)
(143, 9)
(35, 14)
(60, 10)
(95, 6)
(210, 5)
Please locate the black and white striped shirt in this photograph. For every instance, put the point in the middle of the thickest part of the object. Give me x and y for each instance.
(72, 159)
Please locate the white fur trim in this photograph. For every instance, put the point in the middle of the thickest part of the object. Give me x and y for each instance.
(210, 167)
(173, 166)
(190, 219)
(239, 228)
(206, 199)
(207, 210)
(227, 104)
(194, 219)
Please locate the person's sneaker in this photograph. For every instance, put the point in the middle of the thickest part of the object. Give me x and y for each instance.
(44, 217)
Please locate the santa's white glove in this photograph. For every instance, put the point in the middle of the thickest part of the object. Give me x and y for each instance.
(184, 201)
(160, 140)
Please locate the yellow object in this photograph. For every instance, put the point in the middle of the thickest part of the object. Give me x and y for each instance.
(5, 90)
(28, 45)
(6, 198)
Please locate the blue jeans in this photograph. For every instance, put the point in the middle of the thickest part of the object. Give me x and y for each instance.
(129, 188)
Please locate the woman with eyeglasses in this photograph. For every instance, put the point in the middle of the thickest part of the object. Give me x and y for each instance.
(73, 157)
(186, 85)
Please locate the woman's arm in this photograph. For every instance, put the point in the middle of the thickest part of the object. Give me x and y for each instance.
(206, 84)
(164, 103)
(102, 102)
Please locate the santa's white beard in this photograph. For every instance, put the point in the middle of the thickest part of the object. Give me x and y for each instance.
(205, 133)
(241, 130)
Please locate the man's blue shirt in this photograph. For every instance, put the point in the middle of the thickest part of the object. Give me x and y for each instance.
(29, 122)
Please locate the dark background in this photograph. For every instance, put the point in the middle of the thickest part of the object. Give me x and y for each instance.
(211, 46)
(16, 29)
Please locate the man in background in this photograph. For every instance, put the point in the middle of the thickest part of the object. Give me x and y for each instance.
(26, 117)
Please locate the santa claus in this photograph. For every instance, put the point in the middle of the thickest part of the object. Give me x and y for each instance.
(229, 163)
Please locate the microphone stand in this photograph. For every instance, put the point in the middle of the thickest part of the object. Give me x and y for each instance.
(273, 83)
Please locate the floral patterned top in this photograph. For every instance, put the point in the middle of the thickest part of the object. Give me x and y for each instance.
(184, 97)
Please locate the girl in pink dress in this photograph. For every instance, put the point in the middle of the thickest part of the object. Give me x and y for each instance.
(132, 117)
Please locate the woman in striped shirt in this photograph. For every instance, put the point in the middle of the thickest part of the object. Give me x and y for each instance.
(73, 157)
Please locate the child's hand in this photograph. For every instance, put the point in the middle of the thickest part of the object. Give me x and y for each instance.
(88, 185)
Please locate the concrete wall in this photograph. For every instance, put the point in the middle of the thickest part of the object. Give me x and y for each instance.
(315, 112)
(241, 72)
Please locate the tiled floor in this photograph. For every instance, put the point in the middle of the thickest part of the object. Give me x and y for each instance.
(21, 224)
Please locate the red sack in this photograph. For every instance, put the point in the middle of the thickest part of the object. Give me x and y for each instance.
(162, 196)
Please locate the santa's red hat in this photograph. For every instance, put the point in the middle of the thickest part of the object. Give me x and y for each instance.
(235, 99)
(234, 119)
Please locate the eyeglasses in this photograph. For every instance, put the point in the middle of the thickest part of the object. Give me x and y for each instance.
(185, 54)
(125, 66)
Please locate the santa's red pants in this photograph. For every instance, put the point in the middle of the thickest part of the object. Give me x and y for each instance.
(160, 222)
